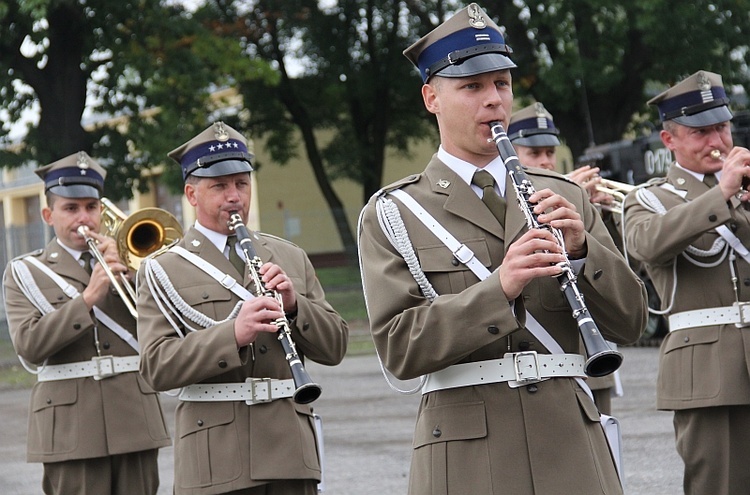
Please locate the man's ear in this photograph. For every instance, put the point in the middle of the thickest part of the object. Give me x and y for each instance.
(190, 194)
(47, 215)
(667, 139)
(430, 98)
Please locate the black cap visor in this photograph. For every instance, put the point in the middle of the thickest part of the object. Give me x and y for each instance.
(711, 116)
(486, 62)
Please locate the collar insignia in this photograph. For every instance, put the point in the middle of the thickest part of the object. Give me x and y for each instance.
(443, 183)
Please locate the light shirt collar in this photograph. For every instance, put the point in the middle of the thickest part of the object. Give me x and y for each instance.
(76, 254)
(217, 238)
(466, 170)
(698, 175)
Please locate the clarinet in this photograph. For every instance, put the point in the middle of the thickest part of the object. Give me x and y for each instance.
(602, 359)
(305, 390)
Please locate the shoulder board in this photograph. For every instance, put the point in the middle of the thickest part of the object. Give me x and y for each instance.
(411, 179)
(258, 235)
(656, 181)
(546, 173)
(35, 254)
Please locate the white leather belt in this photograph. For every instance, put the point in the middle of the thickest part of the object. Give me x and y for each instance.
(98, 368)
(253, 391)
(738, 315)
(518, 369)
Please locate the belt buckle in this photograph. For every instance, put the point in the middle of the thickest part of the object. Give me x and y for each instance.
(525, 368)
(743, 308)
(102, 363)
(254, 399)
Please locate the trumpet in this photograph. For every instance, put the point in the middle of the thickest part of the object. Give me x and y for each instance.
(142, 234)
(618, 191)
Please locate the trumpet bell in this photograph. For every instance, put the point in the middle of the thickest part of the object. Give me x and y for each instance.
(140, 234)
(145, 232)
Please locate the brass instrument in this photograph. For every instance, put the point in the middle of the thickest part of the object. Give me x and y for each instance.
(140, 234)
(137, 236)
(618, 191)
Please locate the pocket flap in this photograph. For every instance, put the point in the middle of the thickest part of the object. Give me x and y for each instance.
(197, 416)
(691, 336)
(463, 421)
(204, 293)
(438, 258)
(61, 393)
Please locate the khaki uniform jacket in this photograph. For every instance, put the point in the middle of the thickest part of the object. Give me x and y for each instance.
(704, 366)
(79, 418)
(226, 446)
(492, 439)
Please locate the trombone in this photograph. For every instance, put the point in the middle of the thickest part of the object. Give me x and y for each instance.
(143, 233)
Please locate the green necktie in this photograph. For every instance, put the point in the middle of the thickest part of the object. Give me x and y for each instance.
(87, 257)
(234, 256)
(710, 180)
(492, 199)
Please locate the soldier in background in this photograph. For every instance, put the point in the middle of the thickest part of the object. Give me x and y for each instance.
(94, 422)
(692, 230)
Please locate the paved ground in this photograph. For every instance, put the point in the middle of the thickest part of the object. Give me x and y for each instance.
(368, 432)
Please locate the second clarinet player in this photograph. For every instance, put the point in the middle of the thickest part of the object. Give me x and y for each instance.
(206, 332)
(461, 292)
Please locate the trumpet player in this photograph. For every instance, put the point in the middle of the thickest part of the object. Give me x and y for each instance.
(459, 313)
(237, 428)
(94, 422)
(535, 138)
(692, 231)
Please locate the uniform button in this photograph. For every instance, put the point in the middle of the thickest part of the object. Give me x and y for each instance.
(524, 345)
(436, 432)
(59, 298)
(205, 295)
(263, 349)
(598, 274)
(106, 345)
(49, 401)
(222, 364)
(733, 226)
(454, 262)
(200, 422)
(306, 326)
(747, 281)
(712, 218)
(76, 326)
(532, 388)
(686, 339)
(493, 330)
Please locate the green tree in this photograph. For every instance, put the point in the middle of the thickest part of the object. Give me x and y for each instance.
(595, 63)
(112, 59)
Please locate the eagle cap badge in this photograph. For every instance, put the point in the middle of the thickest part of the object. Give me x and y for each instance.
(476, 17)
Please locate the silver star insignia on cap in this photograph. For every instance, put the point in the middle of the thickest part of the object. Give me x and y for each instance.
(443, 183)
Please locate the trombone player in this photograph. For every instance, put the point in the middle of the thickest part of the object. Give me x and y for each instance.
(94, 422)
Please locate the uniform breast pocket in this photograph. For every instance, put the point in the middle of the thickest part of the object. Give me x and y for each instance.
(53, 426)
(208, 299)
(446, 274)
